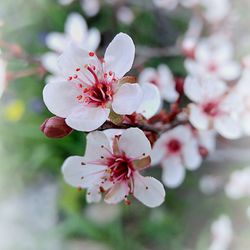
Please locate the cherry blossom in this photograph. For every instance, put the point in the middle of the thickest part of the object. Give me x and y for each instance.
(214, 107)
(239, 184)
(112, 169)
(94, 86)
(76, 31)
(168, 4)
(2, 76)
(222, 233)
(176, 150)
(214, 57)
(163, 79)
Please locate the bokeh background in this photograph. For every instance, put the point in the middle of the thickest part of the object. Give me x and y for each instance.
(38, 211)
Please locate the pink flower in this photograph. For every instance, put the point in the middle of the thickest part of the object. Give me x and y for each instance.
(214, 57)
(112, 168)
(176, 150)
(92, 86)
(214, 107)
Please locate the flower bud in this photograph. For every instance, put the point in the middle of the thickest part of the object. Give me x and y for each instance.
(55, 127)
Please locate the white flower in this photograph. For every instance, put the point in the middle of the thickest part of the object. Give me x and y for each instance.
(214, 57)
(222, 233)
(213, 106)
(163, 79)
(76, 31)
(92, 86)
(209, 184)
(2, 76)
(190, 3)
(167, 4)
(239, 184)
(114, 170)
(175, 150)
(125, 15)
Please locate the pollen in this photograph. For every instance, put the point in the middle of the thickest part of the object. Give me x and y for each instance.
(91, 53)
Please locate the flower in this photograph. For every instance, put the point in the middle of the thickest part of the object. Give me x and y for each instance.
(2, 76)
(167, 4)
(175, 150)
(213, 57)
(93, 86)
(76, 31)
(112, 168)
(163, 79)
(222, 233)
(239, 184)
(214, 107)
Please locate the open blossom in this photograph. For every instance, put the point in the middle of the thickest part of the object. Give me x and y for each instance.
(239, 184)
(222, 233)
(176, 150)
(76, 31)
(163, 79)
(213, 56)
(214, 107)
(112, 169)
(93, 86)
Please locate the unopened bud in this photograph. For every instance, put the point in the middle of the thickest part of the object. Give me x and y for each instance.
(55, 127)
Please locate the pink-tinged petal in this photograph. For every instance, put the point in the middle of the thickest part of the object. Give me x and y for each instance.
(77, 174)
(228, 127)
(49, 62)
(94, 39)
(148, 190)
(134, 143)
(91, 8)
(167, 84)
(197, 117)
(191, 155)
(127, 99)
(120, 54)
(117, 193)
(84, 118)
(173, 172)
(60, 98)
(148, 75)
(158, 151)
(230, 71)
(181, 133)
(151, 101)
(56, 41)
(98, 147)
(76, 28)
(93, 194)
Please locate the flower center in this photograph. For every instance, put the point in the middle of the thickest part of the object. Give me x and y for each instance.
(174, 146)
(120, 168)
(211, 108)
(213, 67)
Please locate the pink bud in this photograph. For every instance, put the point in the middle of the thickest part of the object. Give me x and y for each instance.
(55, 127)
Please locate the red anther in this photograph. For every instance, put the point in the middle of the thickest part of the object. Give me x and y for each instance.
(70, 78)
(102, 190)
(75, 76)
(80, 85)
(78, 69)
(127, 202)
(110, 73)
(85, 90)
(99, 85)
(79, 97)
(94, 68)
(105, 75)
(79, 189)
(91, 53)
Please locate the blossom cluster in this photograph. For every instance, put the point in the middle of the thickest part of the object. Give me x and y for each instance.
(154, 119)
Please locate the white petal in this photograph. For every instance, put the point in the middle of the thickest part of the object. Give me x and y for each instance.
(228, 127)
(193, 89)
(84, 118)
(151, 100)
(49, 62)
(94, 38)
(56, 41)
(148, 75)
(191, 155)
(207, 139)
(230, 71)
(78, 175)
(60, 98)
(197, 117)
(173, 172)
(97, 146)
(148, 190)
(120, 54)
(127, 99)
(158, 152)
(117, 193)
(93, 194)
(76, 27)
(91, 8)
(134, 143)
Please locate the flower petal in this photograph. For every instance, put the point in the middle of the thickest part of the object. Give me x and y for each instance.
(134, 143)
(49, 62)
(117, 193)
(60, 98)
(151, 101)
(197, 117)
(173, 172)
(98, 146)
(93, 194)
(91, 8)
(127, 99)
(230, 71)
(84, 118)
(94, 38)
(56, 41)
(148, 190)
(120, 54)
(77, 174)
